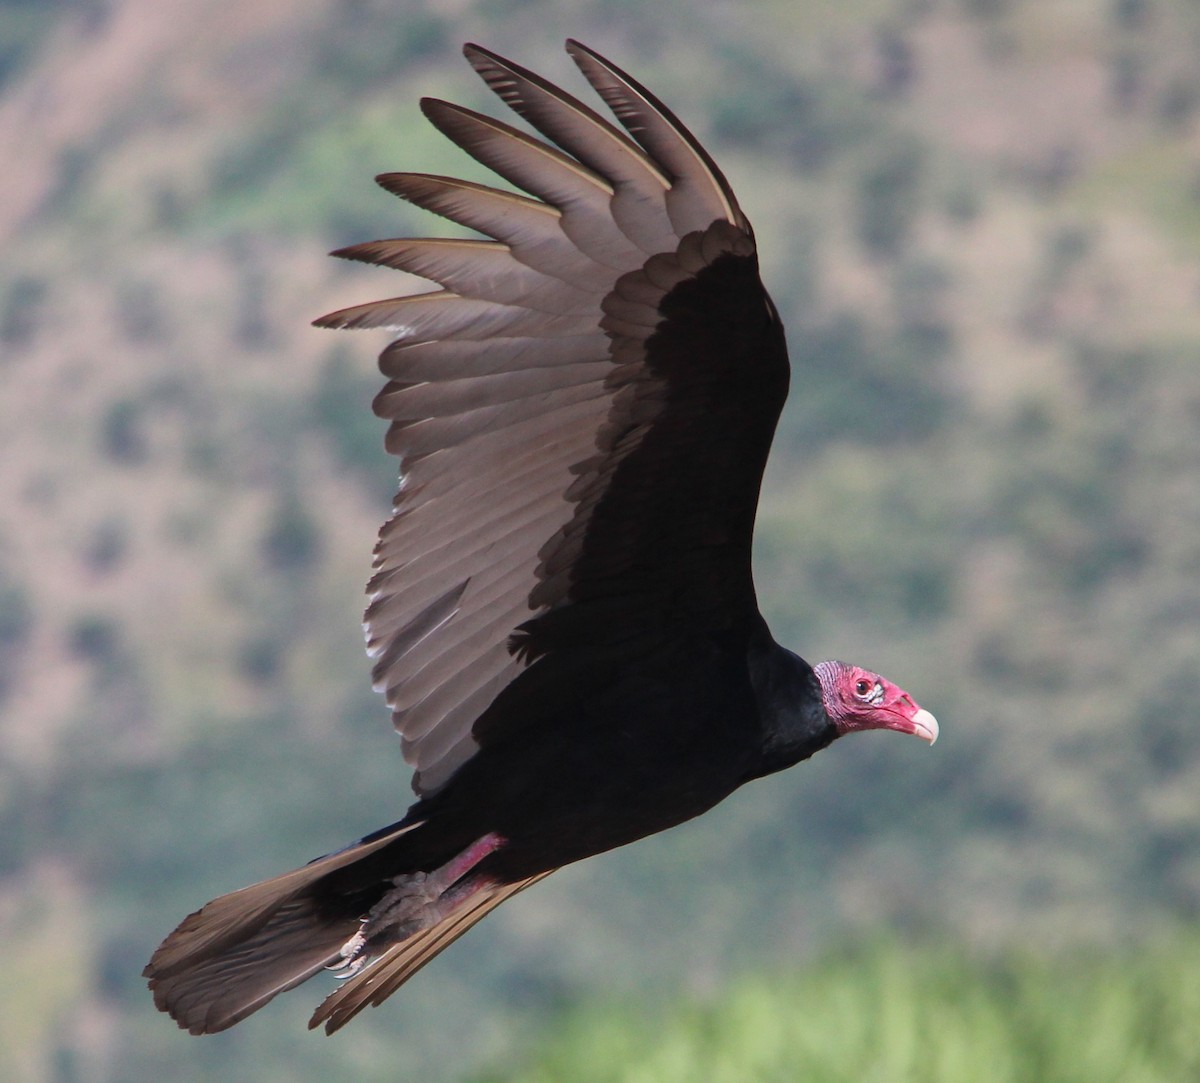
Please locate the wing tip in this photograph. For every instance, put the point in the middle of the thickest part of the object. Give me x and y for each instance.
(658, 129)
(472, 49)
(356, 253)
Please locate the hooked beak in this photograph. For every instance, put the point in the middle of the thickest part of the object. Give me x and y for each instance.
(905, 716)
(924, 725)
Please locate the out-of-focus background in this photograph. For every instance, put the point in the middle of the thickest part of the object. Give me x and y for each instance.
(981, 222)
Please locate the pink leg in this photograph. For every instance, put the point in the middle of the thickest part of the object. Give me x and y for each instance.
(457, 867)
(417, 901)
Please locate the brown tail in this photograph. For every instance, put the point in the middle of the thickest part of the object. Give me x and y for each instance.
(239, 951)
(232, 956)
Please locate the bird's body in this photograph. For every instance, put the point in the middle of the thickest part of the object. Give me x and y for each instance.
(627, 758)
(562, 614)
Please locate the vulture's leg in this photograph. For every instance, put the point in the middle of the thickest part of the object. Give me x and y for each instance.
(416, 901)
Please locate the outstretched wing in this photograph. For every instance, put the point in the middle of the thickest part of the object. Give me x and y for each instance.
(582, 411)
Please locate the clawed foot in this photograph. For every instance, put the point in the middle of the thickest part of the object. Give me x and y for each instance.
(416, 901)
(413, 894)
(408, 908)
(351, 959)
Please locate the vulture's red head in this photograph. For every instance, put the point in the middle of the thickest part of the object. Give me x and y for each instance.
(857, 699)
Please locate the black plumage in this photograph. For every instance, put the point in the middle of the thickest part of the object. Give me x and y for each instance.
(562, 614)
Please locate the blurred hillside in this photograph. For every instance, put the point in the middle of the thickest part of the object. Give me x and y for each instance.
(981, 221)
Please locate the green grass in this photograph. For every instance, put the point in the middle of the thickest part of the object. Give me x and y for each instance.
(891, 1014)
(1157, 177)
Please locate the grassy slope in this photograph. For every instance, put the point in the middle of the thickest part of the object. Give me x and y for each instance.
(986, 485)
(891, 1014)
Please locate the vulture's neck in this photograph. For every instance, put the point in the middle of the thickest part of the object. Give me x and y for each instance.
(793, 717)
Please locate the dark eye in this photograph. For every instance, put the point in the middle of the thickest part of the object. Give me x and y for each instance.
(862, 687)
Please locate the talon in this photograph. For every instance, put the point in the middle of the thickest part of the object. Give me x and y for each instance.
(351, 958)
(414, 902)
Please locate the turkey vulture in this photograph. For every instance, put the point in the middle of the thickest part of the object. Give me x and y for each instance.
(562, 614)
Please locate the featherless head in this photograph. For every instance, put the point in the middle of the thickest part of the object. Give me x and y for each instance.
(858, 699)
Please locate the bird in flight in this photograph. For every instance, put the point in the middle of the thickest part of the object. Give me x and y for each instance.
(562, 615)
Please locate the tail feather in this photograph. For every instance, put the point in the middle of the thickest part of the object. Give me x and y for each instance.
(239, 951)
(384, 975)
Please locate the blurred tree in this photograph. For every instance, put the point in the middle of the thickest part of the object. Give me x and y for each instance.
(826, 117)
(260, 659)
(1131, 14)
(367, 44)
(863, 383)
(292, 540)
(889, 197)
(107, 546)
(141, 312)
(1179, 100)
(1127, 78)
(21, 311)
(95, 638)
(16, 627)
(988, 9)
(253, 327)
(122, 436)
(23, 26)
(897, 61)
(341, 411)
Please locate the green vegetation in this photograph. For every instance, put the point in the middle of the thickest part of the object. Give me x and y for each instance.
(889, 194)
(23, 25)
(16, 620)
(21, 310)
(342, 412)
(892, 1014)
